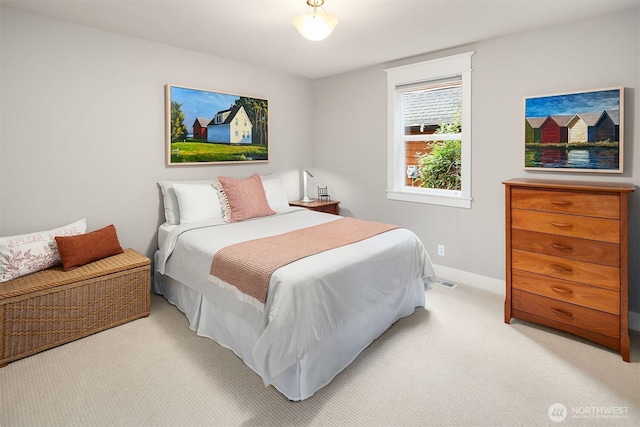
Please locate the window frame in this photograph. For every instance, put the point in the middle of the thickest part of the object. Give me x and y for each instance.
(423, 72)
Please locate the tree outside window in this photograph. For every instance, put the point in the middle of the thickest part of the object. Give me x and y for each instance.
(429, 141)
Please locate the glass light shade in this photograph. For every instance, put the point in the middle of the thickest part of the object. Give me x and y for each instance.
(315, 26)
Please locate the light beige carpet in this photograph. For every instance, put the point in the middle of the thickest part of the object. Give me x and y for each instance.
(453, 363)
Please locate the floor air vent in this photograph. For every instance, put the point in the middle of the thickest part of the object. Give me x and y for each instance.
(446, 284)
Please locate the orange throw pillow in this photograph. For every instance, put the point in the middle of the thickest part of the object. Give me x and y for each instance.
(85, 248)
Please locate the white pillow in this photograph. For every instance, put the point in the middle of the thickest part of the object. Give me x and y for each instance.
(171, 208)
(27, 253)
(197, 202)
(274, 190)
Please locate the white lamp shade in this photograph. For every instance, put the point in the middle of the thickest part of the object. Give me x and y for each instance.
(316, 26)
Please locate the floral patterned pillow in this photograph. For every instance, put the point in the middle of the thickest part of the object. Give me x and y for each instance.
(27, 253)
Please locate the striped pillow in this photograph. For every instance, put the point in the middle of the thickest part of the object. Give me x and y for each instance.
(242, 198)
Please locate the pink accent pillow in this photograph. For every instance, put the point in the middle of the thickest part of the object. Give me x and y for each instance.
(243, 198)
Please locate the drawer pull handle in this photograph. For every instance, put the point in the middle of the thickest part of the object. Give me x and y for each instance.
(561, 247)
(560, 203)
(561, 268)
(561, 224)
(561, 290)
(561, 312)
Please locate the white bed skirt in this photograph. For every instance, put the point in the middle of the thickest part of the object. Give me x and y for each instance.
(324, 361)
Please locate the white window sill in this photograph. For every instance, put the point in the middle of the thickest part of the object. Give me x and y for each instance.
(454, 200)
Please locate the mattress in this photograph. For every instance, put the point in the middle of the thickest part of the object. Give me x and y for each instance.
(306, 334)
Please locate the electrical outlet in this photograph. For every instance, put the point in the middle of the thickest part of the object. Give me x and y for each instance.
(441, 250)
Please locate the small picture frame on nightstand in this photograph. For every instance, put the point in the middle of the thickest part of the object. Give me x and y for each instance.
(323, 194)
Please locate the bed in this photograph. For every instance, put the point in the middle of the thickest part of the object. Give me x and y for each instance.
(320, 311)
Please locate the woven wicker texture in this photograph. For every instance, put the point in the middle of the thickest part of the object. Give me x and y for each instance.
(53, 307)
(54, 276)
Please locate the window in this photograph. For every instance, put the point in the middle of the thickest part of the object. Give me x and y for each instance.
(429, 140)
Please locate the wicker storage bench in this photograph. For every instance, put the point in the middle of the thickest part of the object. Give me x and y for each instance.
(52, 307)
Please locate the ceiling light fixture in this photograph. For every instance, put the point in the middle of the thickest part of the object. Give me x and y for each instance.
(313, 25)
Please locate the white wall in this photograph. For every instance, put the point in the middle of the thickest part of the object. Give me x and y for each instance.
(351, 160)
(83, 125)
(82, 135)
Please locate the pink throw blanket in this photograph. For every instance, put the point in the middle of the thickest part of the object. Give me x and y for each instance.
(248, 266)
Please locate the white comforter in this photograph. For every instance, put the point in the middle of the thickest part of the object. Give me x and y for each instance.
(311, 297)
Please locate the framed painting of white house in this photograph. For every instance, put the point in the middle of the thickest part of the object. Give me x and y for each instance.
(575, 132)
(205, 127)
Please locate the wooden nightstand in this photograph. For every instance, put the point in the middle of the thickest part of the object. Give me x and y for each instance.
(330, 206)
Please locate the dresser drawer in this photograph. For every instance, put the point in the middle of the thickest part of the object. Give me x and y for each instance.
(570, 314)
(563, 268)
(602, 205)
(567, 247)
(583, 295)
(606, 230)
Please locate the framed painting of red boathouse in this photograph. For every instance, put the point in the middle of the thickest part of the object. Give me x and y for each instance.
(575, 131)
(205, 127)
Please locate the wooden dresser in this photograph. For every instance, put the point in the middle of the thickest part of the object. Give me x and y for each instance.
(566, 257)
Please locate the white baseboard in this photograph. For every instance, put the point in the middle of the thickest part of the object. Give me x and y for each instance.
(463, 277)
(497, 286)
